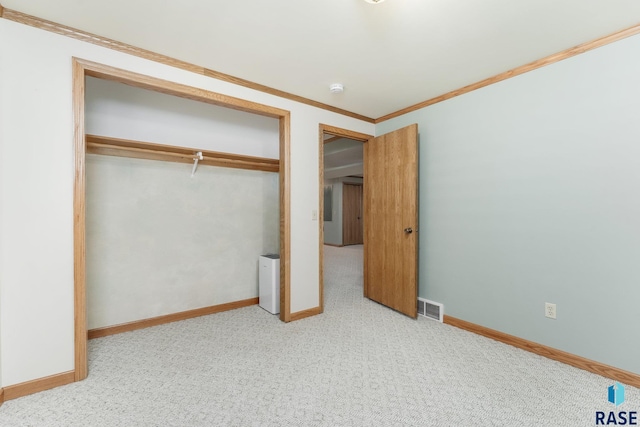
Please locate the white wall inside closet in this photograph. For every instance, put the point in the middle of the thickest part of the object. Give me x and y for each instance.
(158, 240)
(121, 111)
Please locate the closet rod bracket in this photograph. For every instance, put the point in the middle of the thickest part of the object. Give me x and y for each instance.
(196, 159)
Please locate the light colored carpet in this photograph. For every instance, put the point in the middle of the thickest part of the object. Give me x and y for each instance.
(358, 364)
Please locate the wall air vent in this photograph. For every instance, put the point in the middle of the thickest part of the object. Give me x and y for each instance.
(430, 309)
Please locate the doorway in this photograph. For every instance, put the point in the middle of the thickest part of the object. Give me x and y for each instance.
(389, 213)
(344, 174)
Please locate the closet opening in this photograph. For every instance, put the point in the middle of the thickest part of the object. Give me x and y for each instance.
(187, 178)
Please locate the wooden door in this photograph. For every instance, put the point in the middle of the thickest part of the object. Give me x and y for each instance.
(391, 221)
(352, 232)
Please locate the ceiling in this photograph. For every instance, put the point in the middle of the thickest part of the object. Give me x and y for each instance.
(388, 56)
(342, 157)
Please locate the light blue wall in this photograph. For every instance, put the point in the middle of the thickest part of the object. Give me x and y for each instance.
(530, 193)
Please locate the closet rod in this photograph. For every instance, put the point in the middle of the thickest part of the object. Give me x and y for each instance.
(145, 150)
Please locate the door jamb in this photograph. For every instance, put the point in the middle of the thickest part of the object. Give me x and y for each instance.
(343, 133)
(83, 68)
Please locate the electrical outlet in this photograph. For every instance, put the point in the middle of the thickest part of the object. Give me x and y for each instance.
(550, 310)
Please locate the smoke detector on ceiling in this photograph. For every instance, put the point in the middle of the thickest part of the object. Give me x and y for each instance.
(336, 88)
(374, 1)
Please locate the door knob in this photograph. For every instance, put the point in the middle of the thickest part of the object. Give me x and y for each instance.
(408, 230)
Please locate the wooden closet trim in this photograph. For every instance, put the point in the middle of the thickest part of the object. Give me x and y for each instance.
(79, 226)
(285, 218)
(83, 68)
(146, 150)
(106, 72)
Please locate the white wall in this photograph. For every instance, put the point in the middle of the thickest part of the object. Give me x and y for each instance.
(160, 242)
(530, 193)
(121, 111)
(37, 191)
(333, 228)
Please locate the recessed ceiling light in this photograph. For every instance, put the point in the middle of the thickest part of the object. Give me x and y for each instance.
(336, 88)
(374, 1)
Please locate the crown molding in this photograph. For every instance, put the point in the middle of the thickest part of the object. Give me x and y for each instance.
(34, 21)
(54, 27)
(548, 60)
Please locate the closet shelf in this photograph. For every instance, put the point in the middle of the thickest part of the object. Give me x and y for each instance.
(109, 146)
